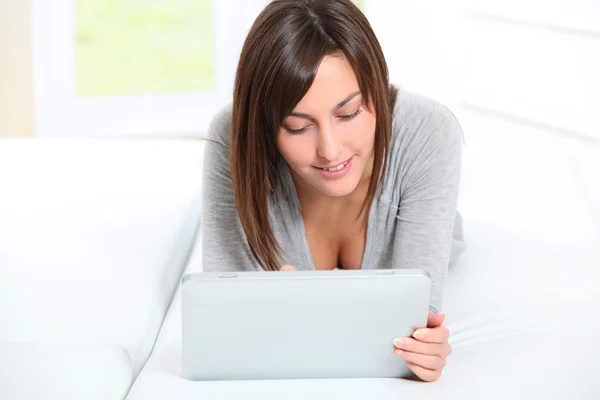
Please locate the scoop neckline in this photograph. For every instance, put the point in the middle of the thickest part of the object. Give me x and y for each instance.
(299, 228)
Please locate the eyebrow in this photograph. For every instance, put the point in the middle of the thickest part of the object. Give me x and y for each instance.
(337, 107)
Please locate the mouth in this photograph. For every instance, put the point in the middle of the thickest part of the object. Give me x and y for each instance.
(336, 171)
(336, 167)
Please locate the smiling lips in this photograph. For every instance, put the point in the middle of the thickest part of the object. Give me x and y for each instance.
(338, 167)
(337, 171)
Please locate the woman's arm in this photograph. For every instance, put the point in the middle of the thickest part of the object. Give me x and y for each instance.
(430, 151)
(428, 156)
(224, 245)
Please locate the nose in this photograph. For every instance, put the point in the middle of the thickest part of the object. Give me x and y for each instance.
(329, 146)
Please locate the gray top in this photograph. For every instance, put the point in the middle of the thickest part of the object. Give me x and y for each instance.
(411, 221)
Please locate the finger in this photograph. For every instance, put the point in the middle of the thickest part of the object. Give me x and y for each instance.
(428, 375)
(432, 335)
(288, 267)
(416, 346)
(435, 320)
(423, 360)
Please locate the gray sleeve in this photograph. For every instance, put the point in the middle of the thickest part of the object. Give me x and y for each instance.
(428, 183)
(224, 245)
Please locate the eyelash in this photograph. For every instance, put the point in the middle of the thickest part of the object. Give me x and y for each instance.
(342, 117)
(351, 116)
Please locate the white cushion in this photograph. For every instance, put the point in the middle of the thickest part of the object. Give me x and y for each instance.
(63, 371)
(514, 302)
(93, 239)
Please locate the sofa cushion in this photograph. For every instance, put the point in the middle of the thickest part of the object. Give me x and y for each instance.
(66, 371)
(93, 239)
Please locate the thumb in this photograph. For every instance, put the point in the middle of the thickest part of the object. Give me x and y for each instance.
(288, 267)
(435, 320)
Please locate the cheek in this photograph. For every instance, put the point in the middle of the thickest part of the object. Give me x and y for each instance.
(295, 150)
(364, 132)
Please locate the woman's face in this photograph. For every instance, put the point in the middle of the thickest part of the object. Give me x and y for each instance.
(328, 138)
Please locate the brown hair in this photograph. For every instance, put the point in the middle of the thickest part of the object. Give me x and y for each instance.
(277, 65)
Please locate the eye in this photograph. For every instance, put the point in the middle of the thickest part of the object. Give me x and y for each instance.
(296, 131)
(350, 116)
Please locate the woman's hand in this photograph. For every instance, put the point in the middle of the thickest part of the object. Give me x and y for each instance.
(287, 267)
(426, 351)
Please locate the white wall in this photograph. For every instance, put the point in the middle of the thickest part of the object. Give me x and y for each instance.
(526, 71)
(16, 70)
(419, 40)
(541, 67)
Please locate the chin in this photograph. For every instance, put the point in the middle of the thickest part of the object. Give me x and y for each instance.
(338, 188)
(336, 192)
(331, 187)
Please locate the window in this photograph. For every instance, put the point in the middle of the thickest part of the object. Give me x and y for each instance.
(136, 67)
(133, 47)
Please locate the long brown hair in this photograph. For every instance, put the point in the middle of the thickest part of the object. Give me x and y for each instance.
(277, 65)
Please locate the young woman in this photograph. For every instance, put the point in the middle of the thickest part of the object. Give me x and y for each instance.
(320, 163)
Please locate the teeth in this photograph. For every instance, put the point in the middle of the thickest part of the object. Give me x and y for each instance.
(336, 168)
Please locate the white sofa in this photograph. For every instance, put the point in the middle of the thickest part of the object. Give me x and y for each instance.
(95, 235)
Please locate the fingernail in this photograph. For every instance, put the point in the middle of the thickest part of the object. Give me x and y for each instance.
(419, 334)
(399, 342)
(399, 352)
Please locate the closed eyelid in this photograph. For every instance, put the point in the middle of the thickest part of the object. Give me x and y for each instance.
(337, 108)
(297, 127)
(350, 111)
(298, 119)
(296, 130)
(350, 108)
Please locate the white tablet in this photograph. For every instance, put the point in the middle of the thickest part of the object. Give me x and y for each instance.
(302, 324)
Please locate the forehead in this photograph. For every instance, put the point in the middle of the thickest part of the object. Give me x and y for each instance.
(334, 81)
